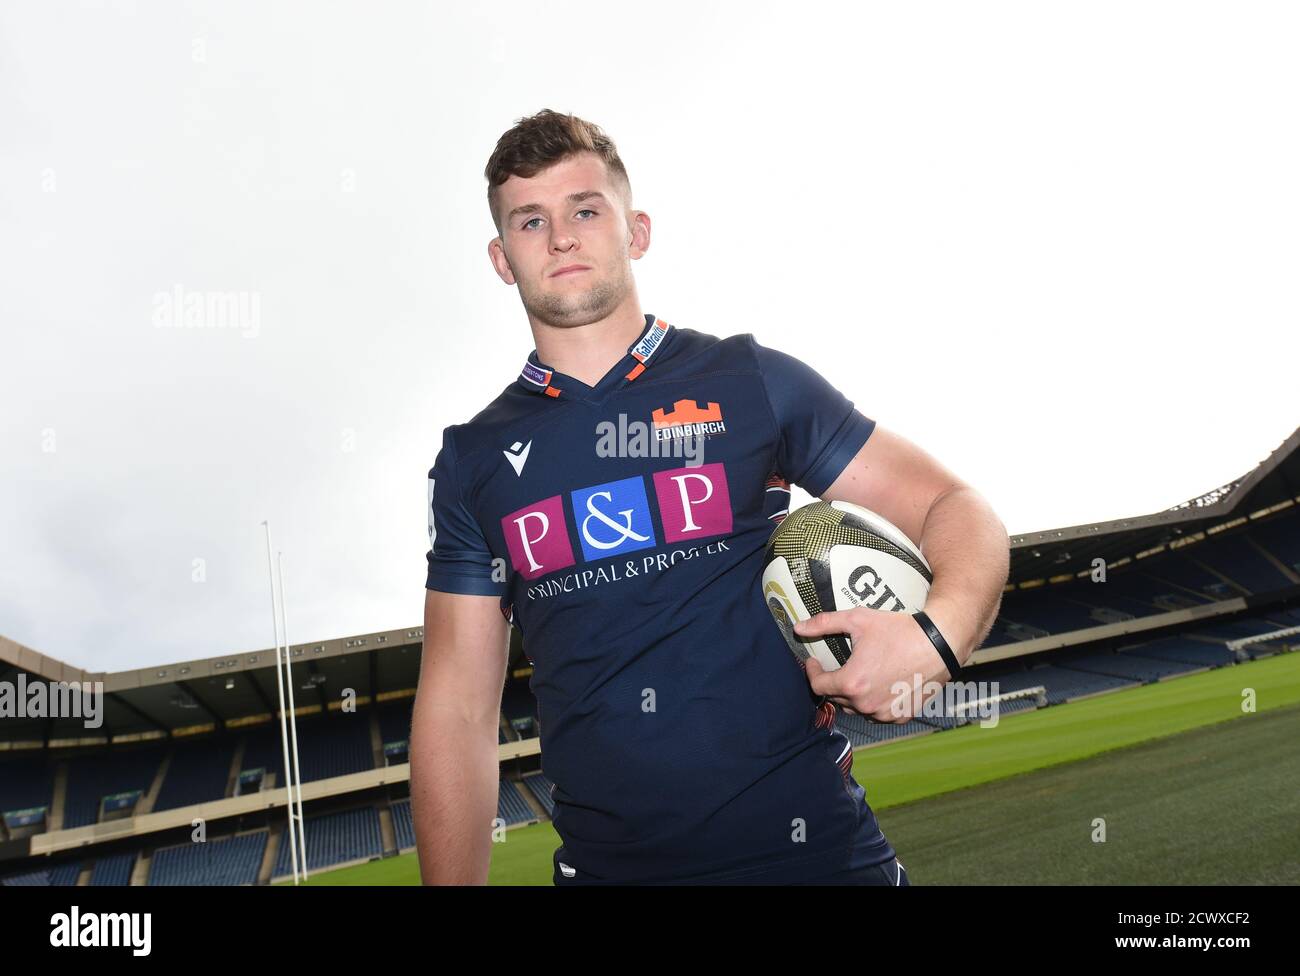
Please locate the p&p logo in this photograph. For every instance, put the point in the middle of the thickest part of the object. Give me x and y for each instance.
(614, 518)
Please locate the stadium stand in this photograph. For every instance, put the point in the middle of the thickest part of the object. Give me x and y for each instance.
(227, 861)
(1062, 684)
(335, 745)
(336, 838)
(90, 779)
(1129, 666)
(1180, 585)
(63, 876)
(403, 825)
(540, 787)
(395, 720)
(114, 870)
(197, 773)
(26, 782)
(1196, 653)
(511, 807)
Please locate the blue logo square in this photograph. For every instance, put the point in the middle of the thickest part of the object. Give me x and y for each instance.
(613, 518)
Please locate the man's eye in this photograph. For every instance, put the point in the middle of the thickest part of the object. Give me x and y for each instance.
(583, 211)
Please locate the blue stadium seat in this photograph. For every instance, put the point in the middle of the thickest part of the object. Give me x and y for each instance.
(335, 838)
(114, 870)
(227, 861)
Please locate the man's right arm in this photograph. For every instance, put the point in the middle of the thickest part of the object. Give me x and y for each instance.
(454, 766)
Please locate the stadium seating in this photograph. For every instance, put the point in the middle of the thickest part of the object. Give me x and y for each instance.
(198, 773)
(862, 732)
(395, 720)
(403, 825)
(263, 751)
(1061, 684)
(65, 875)
(1196, 653)
(1129, 666)
(335, 745)
(227, 861)
(335, 838)
(26, 781)
(90, 779)
(1238, 559)
(511, 807)
(540, 787)
(331, 745)
(114, 870)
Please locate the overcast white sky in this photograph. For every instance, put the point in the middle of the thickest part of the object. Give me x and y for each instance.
(1054, 244)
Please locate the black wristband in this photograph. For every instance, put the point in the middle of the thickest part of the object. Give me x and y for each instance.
(940, 645)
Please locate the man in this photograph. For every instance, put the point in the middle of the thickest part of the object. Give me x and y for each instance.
(684, 742)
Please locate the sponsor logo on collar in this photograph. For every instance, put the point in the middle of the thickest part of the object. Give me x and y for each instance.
(535, 374)
(645, 348)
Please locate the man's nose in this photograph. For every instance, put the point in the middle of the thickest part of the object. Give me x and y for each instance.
(563, 241)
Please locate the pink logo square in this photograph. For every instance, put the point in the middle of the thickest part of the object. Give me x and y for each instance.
(537, 538)
(693, 502)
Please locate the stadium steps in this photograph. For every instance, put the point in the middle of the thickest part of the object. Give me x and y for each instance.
(512, 808)
(540, 787)
(405, 828)
(377, 748)
(1176, 588)
(267, 867)
(530, 798)
(1276, 563)
(54, 819)
(1241, 590)
(236, 765)
(150, 797)
(140, 871)
(83, 874)
(387, 835)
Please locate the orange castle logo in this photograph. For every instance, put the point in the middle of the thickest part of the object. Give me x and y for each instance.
(687, 412)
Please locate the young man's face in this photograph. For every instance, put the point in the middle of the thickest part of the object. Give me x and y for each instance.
(569, 215)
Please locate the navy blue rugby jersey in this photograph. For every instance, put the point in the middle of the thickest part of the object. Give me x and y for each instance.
(623, 527)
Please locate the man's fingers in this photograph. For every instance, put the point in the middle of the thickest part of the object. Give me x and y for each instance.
(823, 682)
(821, 624)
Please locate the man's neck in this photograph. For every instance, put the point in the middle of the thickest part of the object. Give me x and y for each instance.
(588, 352)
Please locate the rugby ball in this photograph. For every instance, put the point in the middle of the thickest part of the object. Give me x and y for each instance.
(837, 556)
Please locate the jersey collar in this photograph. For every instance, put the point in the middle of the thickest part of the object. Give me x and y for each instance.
(539, 378)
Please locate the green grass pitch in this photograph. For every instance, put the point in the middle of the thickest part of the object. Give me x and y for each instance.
(1191, 790)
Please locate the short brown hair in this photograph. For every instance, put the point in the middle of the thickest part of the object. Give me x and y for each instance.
(542, 140)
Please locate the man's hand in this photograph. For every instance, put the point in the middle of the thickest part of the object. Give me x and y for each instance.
(892, 663)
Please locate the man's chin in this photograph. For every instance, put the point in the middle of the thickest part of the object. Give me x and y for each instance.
(573, 311)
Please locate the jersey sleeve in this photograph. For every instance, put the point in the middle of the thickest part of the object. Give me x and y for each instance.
(820, 429)
(459, 559)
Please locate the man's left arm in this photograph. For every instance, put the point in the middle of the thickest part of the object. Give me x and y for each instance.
(967, 548)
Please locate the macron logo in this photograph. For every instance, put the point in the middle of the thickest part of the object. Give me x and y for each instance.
(517, 455)
(126, 930)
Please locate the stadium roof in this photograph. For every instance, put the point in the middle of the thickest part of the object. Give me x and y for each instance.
(242, 687)
(1272, 484)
